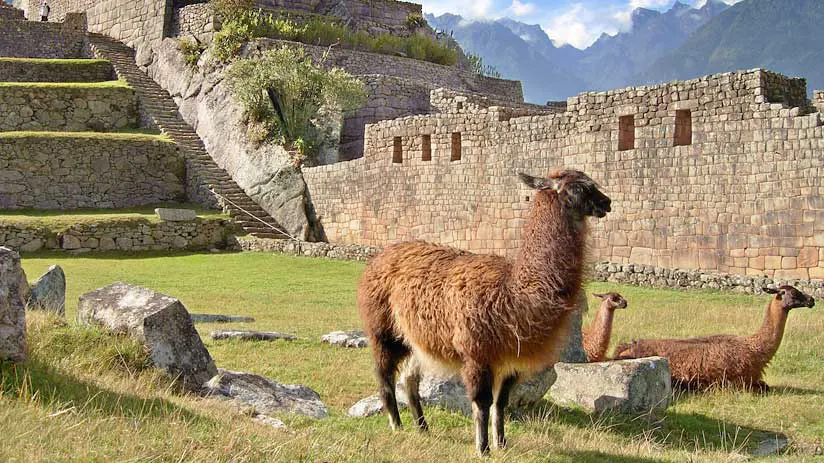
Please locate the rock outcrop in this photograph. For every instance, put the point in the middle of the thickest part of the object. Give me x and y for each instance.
(634, 387)
(265, 396)
(49, 292)
(354, 339)
(160, 322)
(14, 289)
(251, 335)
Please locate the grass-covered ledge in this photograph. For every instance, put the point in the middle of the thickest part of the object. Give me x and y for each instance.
(127, 135)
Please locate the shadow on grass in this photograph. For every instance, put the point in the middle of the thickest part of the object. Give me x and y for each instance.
(593, 456)
(789, 390)
(38, 382)
(120, 255)
(677, 431)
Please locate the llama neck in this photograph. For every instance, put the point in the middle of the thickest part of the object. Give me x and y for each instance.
(769, 336)
(549, 263)
(600, 330)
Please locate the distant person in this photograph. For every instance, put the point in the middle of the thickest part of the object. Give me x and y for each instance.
(44, 11)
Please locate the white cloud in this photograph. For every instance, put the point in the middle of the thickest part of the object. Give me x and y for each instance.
(466, 8)
(579, 26)
(521, 9)
(633, 4)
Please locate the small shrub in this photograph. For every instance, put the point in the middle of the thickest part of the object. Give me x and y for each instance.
(228, 10)
(415, 21)
(476, 63)
(192, 51)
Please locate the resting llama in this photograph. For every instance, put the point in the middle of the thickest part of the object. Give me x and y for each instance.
(596, 336)
(492, 319)
(698, 363)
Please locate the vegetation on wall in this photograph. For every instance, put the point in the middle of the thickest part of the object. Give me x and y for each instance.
(191, 51)
(477, 65)
(284, 94)
(252, 24)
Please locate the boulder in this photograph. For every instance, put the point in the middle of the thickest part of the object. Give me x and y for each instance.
(355, 339)
(265, 396)
(159, 321)
(175, 215)
(49, 292)
(635, 387)
(14, 289)
(252, 335)
(210, 318)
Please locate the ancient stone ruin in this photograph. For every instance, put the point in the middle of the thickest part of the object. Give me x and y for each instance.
(13, 292)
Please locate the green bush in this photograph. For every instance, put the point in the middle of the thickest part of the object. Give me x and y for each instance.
(476, 64)
(283, 91)
(415, 21)
(231, 9)
(191, 50)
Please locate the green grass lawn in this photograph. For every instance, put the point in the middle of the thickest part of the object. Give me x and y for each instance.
(104, 84)
(123, 135)
(88, 396)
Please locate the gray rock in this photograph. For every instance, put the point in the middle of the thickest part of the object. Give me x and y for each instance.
(49, 292)
(269, 421)
(634, 387)
(265, 396)
(371, 406)
(252, 335)
(160, 322)
(355, 339)
(175, 215)
(775, 445)
(14, 289)
(210, 318)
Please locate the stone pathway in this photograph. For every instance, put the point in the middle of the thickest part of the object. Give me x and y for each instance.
(199, 163)
(252, 335)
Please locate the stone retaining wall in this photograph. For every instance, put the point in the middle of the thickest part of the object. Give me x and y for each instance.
(9, 13)
(126, 235)
(374, 16)
(17, 70)
(741, 194)
(196, 20)
(69, 108)
(78, 170)
(303, 248)
(30, 39)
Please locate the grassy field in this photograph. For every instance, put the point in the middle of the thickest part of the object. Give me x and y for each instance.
(87, 396)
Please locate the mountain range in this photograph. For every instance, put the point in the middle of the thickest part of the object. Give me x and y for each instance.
(681, 43)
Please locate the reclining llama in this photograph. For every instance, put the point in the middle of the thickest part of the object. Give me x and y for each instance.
(597, 334)
(698, 363)
(492, 319)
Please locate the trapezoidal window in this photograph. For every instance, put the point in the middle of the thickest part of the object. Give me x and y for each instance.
(426, 147)
(683, 127)
(456, 146)
(397, 150)
(626, 133)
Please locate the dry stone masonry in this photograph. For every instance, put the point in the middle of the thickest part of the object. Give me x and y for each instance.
(52, 171)
(66, 107)
(719, 173)
(29, 39)
(45, 70)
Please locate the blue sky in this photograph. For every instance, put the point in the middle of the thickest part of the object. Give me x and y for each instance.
(576, 22)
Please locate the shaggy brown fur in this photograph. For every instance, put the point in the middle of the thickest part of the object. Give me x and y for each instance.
(488, 317)
(724, 359)
(597, 334)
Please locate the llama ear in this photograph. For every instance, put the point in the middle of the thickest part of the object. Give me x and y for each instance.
(599, 296)
(769, 290)
(537, 183)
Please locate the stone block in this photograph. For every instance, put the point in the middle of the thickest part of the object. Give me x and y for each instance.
(14, 289)
(159, 321)
(49, 292)
(175, 215)
(355, 339)
(634, 387)
(266, 396)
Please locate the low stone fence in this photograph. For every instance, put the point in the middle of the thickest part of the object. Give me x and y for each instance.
(125, 235)
(21, 70)
(303, 248)
(34, 39)
(66, 107)
(53, 171)
(657, 277)
(196, 20)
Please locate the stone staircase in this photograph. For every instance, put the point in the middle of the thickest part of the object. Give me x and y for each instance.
(209, 177)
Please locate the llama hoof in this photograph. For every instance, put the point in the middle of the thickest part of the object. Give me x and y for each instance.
(483, 451)
(423, 426)
(500, 445)
(761, 387)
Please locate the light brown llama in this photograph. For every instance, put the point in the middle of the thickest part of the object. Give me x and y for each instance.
(597, 334)
(492, 319)
(698, 363)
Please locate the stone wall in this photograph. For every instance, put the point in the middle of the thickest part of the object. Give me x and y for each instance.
(88, 170)
(818, 100)
(29, 39)
(61, 107)
(9, 13)
(125, 235)
(742, 196)
(303, 248)
(20, 70)
(196, 20)
(374, 16)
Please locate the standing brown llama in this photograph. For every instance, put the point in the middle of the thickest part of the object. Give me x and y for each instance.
(597, 334)
(492, 319)
(698, 363)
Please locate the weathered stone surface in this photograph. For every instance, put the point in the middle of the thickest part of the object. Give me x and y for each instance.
(160, 321)
(371, 406)
(252, 335)
(217, 318)
(633, 387)
(49, 292)
(175, 215)
(269, 421)
(13, 292)
(356, 339)
(265, 396)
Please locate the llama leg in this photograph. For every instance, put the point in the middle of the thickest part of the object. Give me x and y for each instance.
(498, 408)
(478, 380)
(389, 352)
(411, 382)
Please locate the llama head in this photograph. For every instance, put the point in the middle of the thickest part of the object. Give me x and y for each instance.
(579, 193)
(613, 300)
(790, 298)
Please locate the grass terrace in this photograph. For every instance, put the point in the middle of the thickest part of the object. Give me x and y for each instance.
(123, 135)
(55, 61)
(86, 395)
(60, 85)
